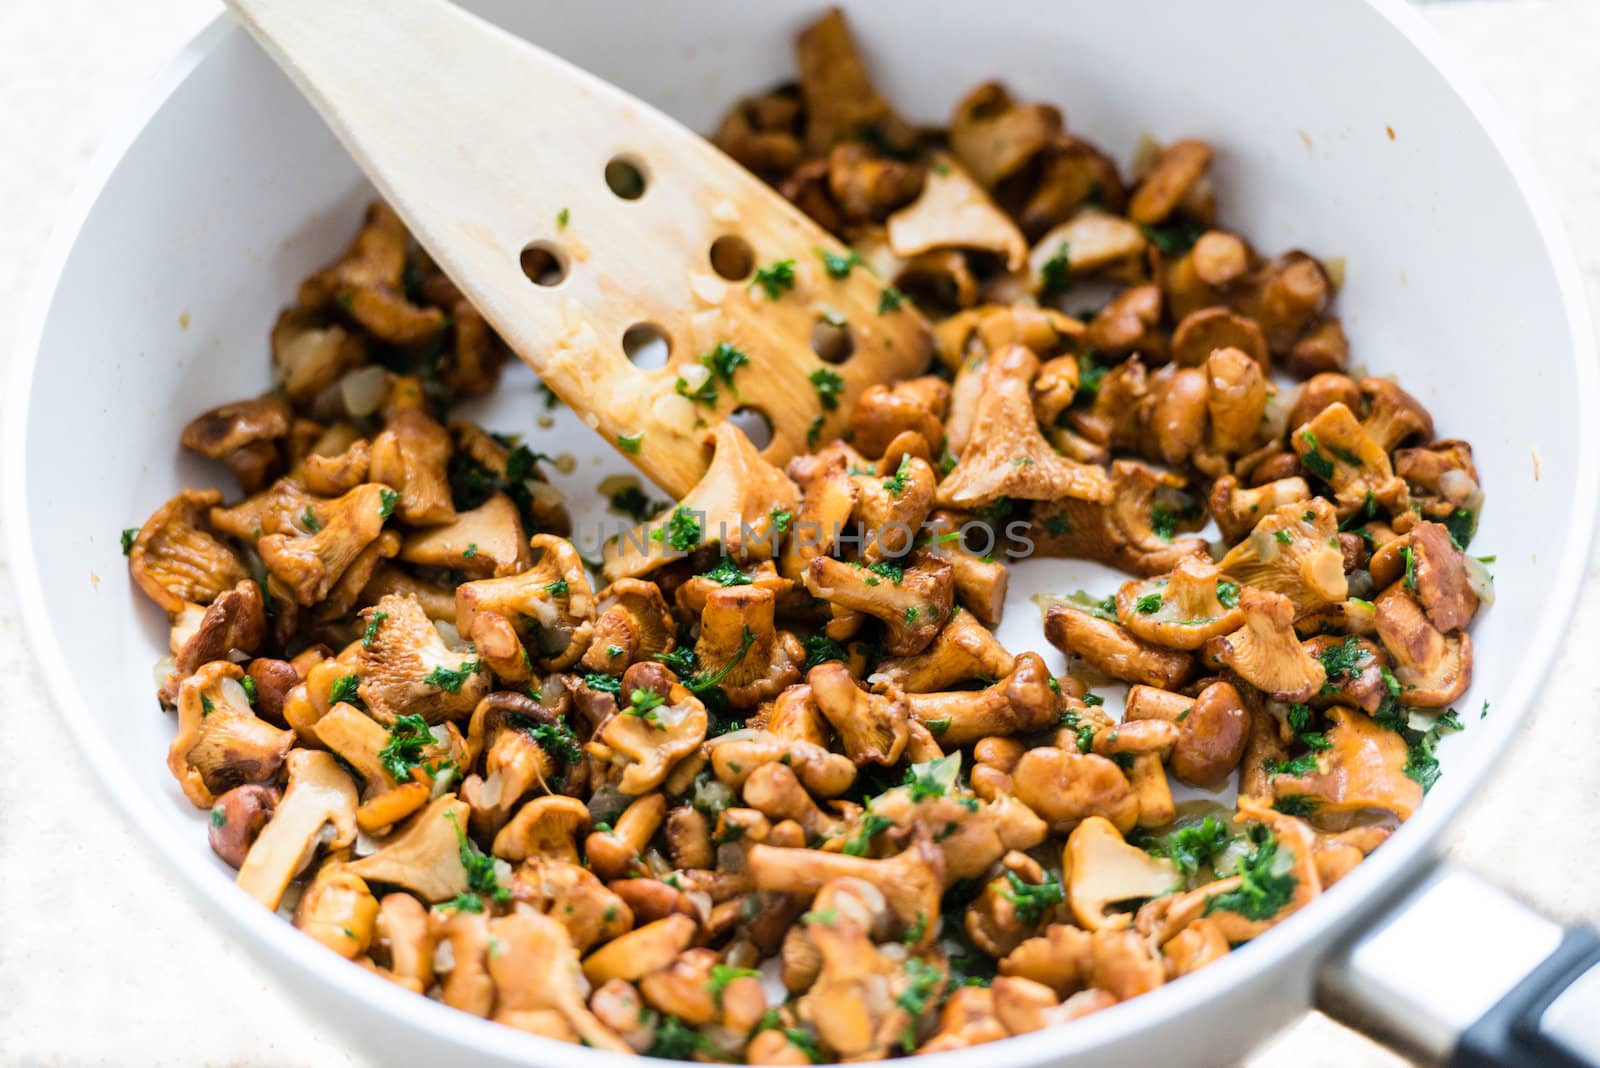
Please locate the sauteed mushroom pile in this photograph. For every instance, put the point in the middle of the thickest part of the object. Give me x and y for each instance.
(762, 784)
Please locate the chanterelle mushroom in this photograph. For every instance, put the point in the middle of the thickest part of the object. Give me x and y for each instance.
(486, 542)
(1006, 455)
(177, 561)
(739, 641)
(913, 606)
(1182, 611)
(550, 607)
(535, 971)
(871, 726)
(1265, 651)
(220, 743)
(406, 669)
(1363, 769)
(963, 650)
(320, 795)
(305, 566)
(954, 212)
(1103, 870)
(1292, 551)
(734, 504)
(368, 283)
(425, 855)
(658, 723)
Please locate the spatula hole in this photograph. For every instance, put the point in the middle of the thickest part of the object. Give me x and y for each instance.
(647, 346)
(544, 264)
(831, 339)
(625, 178)
(755, 424)
(732, 257)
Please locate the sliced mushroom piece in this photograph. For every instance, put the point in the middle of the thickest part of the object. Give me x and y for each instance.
(319, 796)
(634, 625)
(839, 98)
(360, 741)
(1361, 771)
(1006, 455)
(995, 136)
(470, 367)
(176, 560)
(220, 743)
(1393, 415)
(544, 827)
(1322, 348)
(911, 882)
(574, 897)
(1103, 870)
(891, 510)
(953, 211)
(1020, 702)
(368, 283)
(872, 727)
(1122, 531)
(735, 756)
(1334, 447)
(1265, 651)
(885, 412)
(1213, 729)
(645, 746)
(733, 504)
(912, 609)
(486, 542)
(1068, 175)
(1091, 242)
(641, 951)
(305, 566)
(1428, 563)
(424, 855)
(551, 606)
(1236, 400)
(407, 669)
(963, 650)
(1294, 551)
(1283, 297)
(754, 669)
(1192, 605)
(1110, 649)
(310, 352)
(1170, 179)
(1066, 787)
(234, 622)
(1433, 669)
(762, 132)
(1129, 324)
(535, 971)
(338, 910)
(237, 818)
(1237, 509)
(230, 432)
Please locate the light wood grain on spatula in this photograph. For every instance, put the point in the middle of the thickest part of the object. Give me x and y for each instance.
(495, 153)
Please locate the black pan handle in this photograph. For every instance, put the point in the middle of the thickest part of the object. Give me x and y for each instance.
(1457, 972)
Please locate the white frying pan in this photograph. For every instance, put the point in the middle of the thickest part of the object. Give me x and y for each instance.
(1458, 281)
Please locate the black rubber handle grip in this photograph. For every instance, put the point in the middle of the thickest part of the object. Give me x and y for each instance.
(1510, 1036)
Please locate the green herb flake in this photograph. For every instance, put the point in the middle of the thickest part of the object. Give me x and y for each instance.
(1055, 276)
(680, 533)
(1149, 604)
(629, 443)
(128, 536)
(839, 265)
(450, 680)
(563, 217)
(344, 691)
(408, 737)
(890, 300)
(1228, 594)
(775, 279)
(370, 635)
(1265, 885)
(727, 573)
(1031, 901)
(387, 499)
(829, 387)
(479, 867)
(310, 521)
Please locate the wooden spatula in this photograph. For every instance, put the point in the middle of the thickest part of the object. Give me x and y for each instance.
(573, 215)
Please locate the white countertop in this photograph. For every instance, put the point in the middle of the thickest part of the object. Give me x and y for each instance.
(104, 960)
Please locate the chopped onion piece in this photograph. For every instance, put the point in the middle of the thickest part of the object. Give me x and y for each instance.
(1479, 580)
(364, 389)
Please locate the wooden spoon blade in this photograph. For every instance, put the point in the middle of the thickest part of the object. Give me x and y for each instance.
(572, 213)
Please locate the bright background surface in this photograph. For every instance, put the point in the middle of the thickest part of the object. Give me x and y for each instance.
(104, 960)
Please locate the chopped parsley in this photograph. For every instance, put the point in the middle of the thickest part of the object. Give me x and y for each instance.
(1055, 276)
(1149, 604)
(128, 535)
(632, 502)
(889, 569)
(829, 386)
(371, 633)
(248, 685)
(1410, 558)
(1300, 722)
(554, 738)
(1189, 848)
(451, 680)
(722, 362)
(643, 704)
(820, 648)
(839, 266)
(897, 482)
(1343, 661)
(1031, 901)
(563, 217)
(781, 518)
(1313, 460)
(629, 443)
(727, 573)
(1174, 237)
(814, 432)
(470, 551)
(681, 532)
(870, 826)
(1296, 805)
(1265, 884)
(1305, 764)
(1163, 521)
(1461, 524)
(723, 974)
(558, 588)
(387, 499)
(775, 279)
(677, 1041)
(344, 690)
(479, 867)
(310, 521)
(603, 683)
(1283, 537)
(408, 736)
(1228, 594)
(923, 980)
(890, 300)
